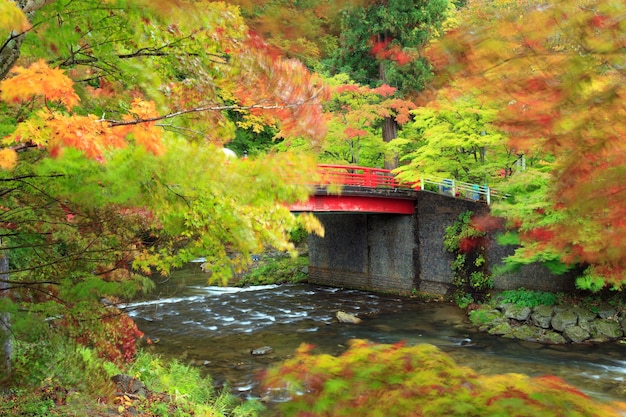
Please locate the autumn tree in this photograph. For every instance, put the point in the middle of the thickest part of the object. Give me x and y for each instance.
(355, 115)
(455, 138)
(111, 168)
(557, 72)
(380, 44)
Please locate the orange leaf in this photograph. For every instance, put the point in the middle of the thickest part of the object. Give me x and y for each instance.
(39, 80)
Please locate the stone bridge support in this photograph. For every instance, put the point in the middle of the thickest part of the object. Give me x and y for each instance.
(405, 253)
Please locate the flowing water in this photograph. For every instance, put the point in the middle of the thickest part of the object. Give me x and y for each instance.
(217, 328)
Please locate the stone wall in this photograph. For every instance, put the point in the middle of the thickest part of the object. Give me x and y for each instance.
(533, 277)
(433, 214)
(344, 246)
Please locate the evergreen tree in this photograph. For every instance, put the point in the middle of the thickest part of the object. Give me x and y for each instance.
(380, 44)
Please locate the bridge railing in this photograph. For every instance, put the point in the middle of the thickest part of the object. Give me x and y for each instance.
(351, 175)
(458, 189)
(359, 176)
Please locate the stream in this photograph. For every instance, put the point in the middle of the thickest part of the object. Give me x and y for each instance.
(217, 328)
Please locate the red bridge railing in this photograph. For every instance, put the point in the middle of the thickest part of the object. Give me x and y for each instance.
(349, 175)
(359, 176)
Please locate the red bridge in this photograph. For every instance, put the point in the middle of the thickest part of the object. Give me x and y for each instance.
(349, 188)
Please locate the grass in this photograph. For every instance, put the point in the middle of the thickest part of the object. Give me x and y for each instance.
(75, 382)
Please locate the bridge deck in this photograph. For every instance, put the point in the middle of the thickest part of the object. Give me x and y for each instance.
(360, 199)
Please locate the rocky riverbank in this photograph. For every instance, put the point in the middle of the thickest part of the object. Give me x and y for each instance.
(557, 324)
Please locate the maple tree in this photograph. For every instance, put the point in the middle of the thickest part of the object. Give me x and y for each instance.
(111, 166)
(557, 72)
(356, 113)
(455, 138)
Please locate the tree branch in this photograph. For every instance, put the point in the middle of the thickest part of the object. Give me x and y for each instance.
(113, 123)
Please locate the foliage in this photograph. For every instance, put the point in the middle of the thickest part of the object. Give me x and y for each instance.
(527, 298)
(590, 281)
(455, 138)
(467, 242)
(399, 380)
(57, 377)
(387, 35)
(12, 18)
(556, 71)
(117, 112)
(480, 317)
(379, 45)
(48, 357)
(206, 64)
(299, 235)
(356, 114)
(276, 271)
(306, 30)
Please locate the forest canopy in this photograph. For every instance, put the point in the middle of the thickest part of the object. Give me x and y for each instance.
(114, 116)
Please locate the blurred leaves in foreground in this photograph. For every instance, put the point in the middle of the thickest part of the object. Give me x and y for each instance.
(400, 380)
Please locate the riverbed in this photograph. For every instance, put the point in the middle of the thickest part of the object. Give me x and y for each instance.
(218, 328)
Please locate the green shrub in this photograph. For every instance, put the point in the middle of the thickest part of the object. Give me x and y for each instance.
(527, 298)
(277, 271)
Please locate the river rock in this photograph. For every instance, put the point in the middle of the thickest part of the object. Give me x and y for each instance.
(527, 333)
(564, 319)
(585, 315)
(516, 312)
(485, 317)
(576, 334)
(344, 317)
(127, 385)
(501, 329)
(606, 311)
(261, 351)
(542, 316)
(606, 329)
(551, 338)
(587, 326)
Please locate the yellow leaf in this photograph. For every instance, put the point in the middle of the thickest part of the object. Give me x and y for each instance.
(12, 18)
(8, 159)
(311, 224)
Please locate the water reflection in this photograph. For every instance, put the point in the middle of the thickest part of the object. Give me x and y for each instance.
(217, 328)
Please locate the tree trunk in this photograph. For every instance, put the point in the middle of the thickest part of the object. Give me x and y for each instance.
(390, 126)
(9, 53)
(390, 132)
(10, 47)
(5, 317)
